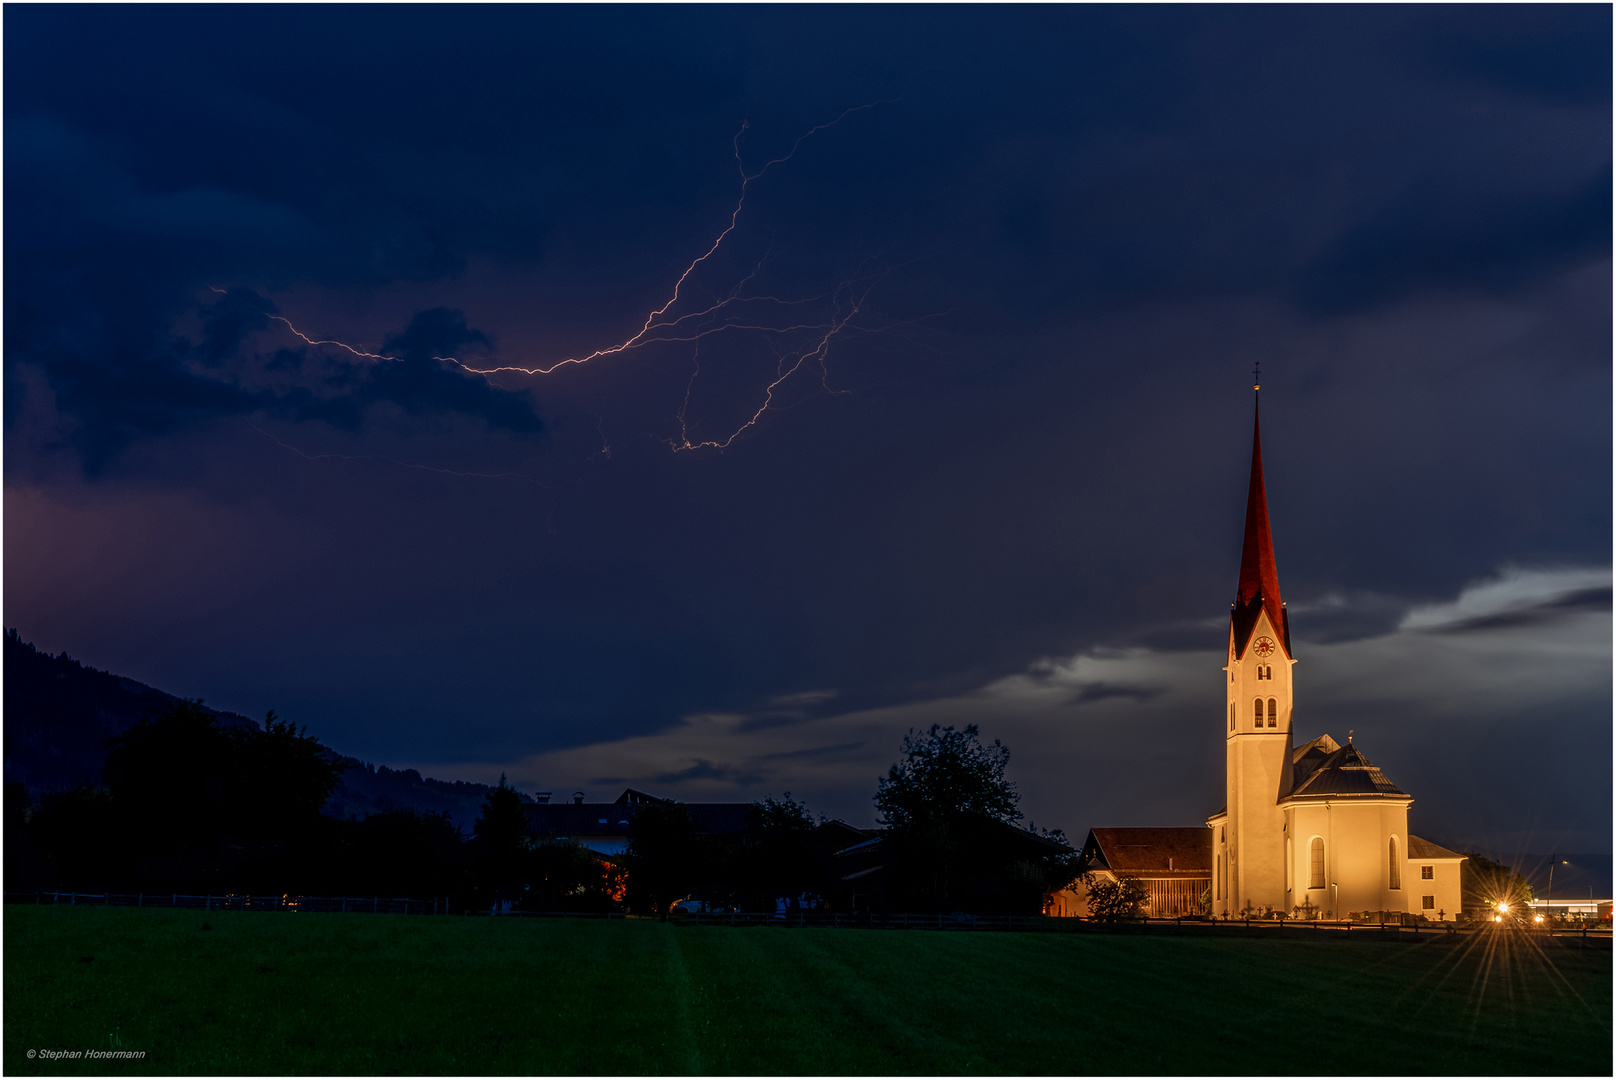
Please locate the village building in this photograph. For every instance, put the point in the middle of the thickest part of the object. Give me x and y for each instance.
(1173, 866)
(604, 827)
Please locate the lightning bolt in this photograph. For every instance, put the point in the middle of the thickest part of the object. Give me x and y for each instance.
(734, 311)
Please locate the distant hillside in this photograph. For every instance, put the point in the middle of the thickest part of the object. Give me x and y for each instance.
(374, 789)
(59, 715)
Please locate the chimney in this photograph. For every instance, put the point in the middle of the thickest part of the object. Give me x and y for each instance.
(578, 798)
(541, 797)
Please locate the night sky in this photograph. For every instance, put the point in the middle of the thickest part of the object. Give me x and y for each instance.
(1016, 266)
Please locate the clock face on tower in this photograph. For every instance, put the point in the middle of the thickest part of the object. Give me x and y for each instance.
(1263, 647)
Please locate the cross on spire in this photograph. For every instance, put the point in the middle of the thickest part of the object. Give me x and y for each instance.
(1256, 375)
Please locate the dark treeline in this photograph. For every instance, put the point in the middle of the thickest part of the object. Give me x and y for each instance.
(190, 805)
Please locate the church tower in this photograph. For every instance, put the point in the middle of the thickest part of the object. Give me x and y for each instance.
(1248, 836)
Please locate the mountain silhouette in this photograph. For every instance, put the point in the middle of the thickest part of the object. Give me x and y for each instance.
(60, 713)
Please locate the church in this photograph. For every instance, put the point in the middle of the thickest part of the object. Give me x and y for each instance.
(1309, 831)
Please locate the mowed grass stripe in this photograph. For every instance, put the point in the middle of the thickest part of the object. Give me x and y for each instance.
(359, 994)
(886, 1002)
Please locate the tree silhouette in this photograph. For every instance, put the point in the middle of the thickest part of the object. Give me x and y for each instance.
(1113, 899)
(946, 772)
(501, 840)
(777, 859)
(940, 803)
(663, 857)
(197, 801)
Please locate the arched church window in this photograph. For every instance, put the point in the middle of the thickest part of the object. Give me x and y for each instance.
(1256, 709)
(1315, 873)
(1397, 871)
(1273, 713)
(1231, 716)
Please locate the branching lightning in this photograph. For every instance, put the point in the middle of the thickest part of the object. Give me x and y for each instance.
(733, 311)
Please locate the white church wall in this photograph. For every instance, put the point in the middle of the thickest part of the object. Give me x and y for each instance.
(1357, 837)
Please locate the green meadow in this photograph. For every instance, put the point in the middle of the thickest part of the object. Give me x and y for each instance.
(253, 993)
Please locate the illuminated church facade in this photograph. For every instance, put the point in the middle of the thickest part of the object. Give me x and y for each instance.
(1310, 830)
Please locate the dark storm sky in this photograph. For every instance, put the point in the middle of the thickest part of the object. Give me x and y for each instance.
(1008, 489)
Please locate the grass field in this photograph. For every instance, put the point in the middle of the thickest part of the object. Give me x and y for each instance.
(282, 993)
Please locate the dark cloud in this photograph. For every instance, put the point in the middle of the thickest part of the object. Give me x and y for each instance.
(115, 398)
(1421, 244)
(422, 381)
(814, 752)
(229, 320)
(706, 770)
(119, 395)
(1100, 691)
(1549, 611)
(1545, 52)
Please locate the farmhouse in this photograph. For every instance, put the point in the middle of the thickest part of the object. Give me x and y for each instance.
(604, 827)
(1173, 866)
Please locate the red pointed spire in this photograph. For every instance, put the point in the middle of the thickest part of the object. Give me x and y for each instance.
(1259, 580)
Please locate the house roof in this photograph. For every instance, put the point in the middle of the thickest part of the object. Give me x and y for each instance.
(1344, 771)
(837, 831)
(1421, 848)
(614, 818)
(1258, 589)
(1167, 852)
(578, 819)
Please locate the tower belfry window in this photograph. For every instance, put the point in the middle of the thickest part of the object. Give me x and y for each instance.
(1273, 713)
(1231, 716)
(1256, 711)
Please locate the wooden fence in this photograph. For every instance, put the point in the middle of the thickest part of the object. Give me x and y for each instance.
(377, 905)
(1289, 929)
